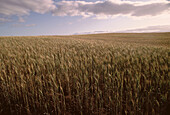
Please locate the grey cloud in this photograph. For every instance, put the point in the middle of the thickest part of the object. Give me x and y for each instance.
(79, 8)
(151, 9)
(107, 8)
(82, 8)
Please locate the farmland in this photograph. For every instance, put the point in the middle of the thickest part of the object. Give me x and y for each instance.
(85, 74)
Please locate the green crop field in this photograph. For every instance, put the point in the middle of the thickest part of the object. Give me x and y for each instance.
(99, 74)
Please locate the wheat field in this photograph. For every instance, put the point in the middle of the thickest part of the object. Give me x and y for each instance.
(99, 74)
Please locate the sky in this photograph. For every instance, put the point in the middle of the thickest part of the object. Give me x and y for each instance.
(68, 17)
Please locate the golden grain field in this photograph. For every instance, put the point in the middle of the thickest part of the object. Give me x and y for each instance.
(100, 74)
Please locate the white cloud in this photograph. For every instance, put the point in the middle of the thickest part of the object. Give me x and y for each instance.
(111, 8)
(99, 9)
(158, 28)
(24, 7)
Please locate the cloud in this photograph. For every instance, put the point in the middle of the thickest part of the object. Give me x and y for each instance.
(30, 25)
(158, 28)
(96, 9)
(24, 7)
(5, 20)
(17, 25)
(92, 32)
(110, 8)
(23, 25)
(21, 19)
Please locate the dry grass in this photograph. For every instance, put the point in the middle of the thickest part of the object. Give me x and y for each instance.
(85, 74)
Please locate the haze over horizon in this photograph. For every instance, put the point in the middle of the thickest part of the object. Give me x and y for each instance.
(67, 17)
